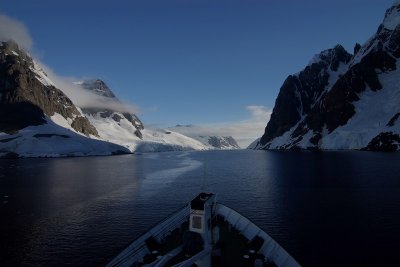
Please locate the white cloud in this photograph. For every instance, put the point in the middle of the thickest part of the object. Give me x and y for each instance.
(259, 113)
(11, 29)
(244, 132)
(84, 98)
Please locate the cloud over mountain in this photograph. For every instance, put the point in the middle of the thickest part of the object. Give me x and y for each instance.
(244, 131)
(11, 29)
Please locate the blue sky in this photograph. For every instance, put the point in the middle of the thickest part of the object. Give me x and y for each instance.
(200, 62)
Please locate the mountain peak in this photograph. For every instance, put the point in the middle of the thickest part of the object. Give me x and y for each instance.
(98, 87)
(11, 47)
(392, 16)
(332, 57)
(29, 98)
(10, 44)
(396, 3)
(354, 105)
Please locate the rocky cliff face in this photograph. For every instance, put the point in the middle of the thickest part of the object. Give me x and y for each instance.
(301, 91)
(27, 95)
(99, 87)
(36, 118)
(116, 114)
(343, 101)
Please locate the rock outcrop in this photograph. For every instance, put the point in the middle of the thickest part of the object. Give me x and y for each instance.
(343, 101)
(27, 95)
(117, 113)
(301, 91)
(206, 137)
(222, 142)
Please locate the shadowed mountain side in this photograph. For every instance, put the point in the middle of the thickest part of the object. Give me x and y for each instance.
(342, 101)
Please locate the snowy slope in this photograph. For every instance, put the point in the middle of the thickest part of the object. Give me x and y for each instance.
(358, 108)
(122, 132)
(165, 140)
(41, 76)
(374, 110)
(206, 136)
(53, 140)
(117, 124)
(39, 120)
(218, 142)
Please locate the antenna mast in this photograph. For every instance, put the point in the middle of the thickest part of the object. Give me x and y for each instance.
(203, 184)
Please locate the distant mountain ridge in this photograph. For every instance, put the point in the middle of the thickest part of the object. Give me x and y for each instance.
(214, 141)
(343, 101)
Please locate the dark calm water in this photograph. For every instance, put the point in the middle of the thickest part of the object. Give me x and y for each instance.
(326, 209)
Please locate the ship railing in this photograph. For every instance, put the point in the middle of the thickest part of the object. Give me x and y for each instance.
(189, 262)
(270, 248)
(138, 249)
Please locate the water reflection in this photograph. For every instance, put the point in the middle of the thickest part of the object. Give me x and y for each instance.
(326, 209)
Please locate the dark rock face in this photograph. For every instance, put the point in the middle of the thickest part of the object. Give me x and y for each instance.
(387, 141)
(81, 124)
(320, 99)
(24, 100)
(134, 120)
(300, 92)
(393, 120)
(100, 88)
(116, 117)
(357, 48)
(285, 113)
(336, 108)
(19, 115)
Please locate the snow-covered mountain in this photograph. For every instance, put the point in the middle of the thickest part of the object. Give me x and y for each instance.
(50, 139)
(114, 111)
(343, 101)
(212, 141)
(159, 140)
(220, 142)
(117, 124)
(38, 119)
(35, 116)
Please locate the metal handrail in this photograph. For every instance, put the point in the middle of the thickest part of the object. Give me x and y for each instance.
(129, 254)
